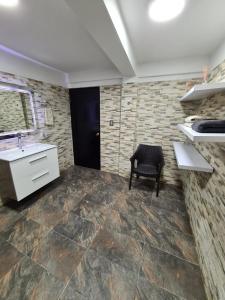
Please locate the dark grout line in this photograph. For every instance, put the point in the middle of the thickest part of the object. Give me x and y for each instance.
(108, 206)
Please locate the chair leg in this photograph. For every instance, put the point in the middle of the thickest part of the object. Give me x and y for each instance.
(157, 187)
(137, 176)
(131, 175)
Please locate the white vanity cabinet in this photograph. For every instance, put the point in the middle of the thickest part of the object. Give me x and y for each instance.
(22, 172)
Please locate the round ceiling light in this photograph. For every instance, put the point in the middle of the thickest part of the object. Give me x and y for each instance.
(165, 10)
(9, 3)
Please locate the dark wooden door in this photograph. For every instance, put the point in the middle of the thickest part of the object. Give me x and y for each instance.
(85, 115)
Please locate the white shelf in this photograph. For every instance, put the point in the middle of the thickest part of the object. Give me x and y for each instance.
(195, 136)
(200, 91)
(188, 158)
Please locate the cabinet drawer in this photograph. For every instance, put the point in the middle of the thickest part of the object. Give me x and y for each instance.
(27, 186)
(33, 164)
(33, 172)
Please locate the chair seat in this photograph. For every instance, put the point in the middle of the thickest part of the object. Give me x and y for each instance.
(146, 170)
(150, 161)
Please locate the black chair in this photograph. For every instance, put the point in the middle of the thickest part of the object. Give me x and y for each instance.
(150, 162)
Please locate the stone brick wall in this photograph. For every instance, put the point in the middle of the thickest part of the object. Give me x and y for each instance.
(110, 135)
(205, 200)
(59, 134)
(148, 113)
(143, 113)
(11, 111)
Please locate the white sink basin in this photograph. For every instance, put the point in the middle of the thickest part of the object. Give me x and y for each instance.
(16, 153)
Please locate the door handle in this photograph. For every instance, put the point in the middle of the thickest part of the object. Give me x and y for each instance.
(40, 175)
(37, 158)
(97, 134)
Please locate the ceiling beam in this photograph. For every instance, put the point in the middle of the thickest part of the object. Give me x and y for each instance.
(103, 21)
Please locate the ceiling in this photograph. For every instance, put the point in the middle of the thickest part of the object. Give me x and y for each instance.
(197, 32)
(48, 31)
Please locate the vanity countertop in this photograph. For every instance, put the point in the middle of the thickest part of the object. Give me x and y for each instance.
(16, 153)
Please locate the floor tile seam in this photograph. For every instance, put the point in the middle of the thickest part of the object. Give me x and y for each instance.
(85, 247)
(159, 287)
(48, 272)
(76, 242)
(161, 225)
(22, 256)
(97, 255)
(140, 240)
(179, 231)
(89, 220)
(66, 237)
(38, 244)
(37, 263)
(42, 238)
(83, 218)
(61, 209)
(178, 257)
(176, 199)
(114, 263)
(12, 224)
(41, 224)
(144, 241)
(32, 219)
(173, 229)
(139, 271)
(66, 285)
(103, 255)
(72, 209)
(89, 247)
(126, 234)
(169, 210)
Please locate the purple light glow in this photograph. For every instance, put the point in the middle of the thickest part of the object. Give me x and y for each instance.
(19, 55)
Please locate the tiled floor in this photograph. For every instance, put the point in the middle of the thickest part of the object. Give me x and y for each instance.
(87, 237)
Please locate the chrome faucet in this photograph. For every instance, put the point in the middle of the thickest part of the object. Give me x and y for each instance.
(19, 143)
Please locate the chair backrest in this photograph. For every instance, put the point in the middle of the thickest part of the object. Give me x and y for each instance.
(146, 154)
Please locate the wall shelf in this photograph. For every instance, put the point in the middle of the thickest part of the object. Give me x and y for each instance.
(200, 91)
(195, 136)
(188, 158)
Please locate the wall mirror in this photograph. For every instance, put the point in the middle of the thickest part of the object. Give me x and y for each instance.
(16, 110)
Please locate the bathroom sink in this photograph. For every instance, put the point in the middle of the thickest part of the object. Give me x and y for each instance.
(17, 153)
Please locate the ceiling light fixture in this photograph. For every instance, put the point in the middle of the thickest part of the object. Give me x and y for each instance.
(9, 3)
(165, 10)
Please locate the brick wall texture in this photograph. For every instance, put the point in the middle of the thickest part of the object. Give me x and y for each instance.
(59, 134)
(205, 200)
(11, 111)
(148, 113)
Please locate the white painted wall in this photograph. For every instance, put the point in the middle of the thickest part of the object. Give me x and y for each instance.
(218, 56)
(184, 66)
(115, 15)
(180, 69)
(93, 78)
(95, 18)
(23, 66)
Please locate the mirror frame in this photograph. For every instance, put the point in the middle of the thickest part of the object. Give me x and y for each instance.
(21, 89)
